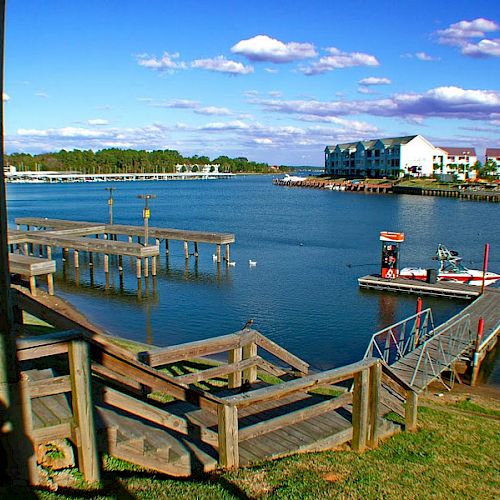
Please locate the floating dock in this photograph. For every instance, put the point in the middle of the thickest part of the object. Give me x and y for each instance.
(404, 285)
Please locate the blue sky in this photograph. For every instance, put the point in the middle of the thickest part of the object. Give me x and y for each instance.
(274, 81)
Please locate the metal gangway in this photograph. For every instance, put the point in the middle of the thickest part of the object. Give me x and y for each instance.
(418, 352)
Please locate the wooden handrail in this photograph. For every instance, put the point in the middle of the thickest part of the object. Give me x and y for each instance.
(196, 349)
(306, 383)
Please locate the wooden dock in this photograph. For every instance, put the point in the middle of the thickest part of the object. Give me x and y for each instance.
(32, 267)
(404, 285)
(112, 231)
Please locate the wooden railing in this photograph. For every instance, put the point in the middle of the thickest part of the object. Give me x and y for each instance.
(365, 400)
(243, 359)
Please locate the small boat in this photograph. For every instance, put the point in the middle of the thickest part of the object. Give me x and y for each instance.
(451, 269)
(293, 178)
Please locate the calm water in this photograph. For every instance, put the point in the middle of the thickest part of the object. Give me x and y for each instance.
(310, 247)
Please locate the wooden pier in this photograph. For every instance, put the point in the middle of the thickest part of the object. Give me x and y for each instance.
(405, 285)
(112, 231)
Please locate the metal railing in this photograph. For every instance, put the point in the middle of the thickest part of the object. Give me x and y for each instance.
(439, 351)
(396, 341)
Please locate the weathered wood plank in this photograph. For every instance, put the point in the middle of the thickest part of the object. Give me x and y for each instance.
(234, 378)
(48, 387)
(281, 353)
(375, 375)
(83, 408)
(196, 349)
(306, 383)
(228, 436)
(293, 417)
(218, 371)
(360, 410)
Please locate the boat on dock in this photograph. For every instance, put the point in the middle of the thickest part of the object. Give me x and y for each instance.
(451, 269)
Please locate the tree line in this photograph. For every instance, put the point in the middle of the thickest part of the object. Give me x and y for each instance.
(113, 160)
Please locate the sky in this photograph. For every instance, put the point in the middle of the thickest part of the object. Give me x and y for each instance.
(273, 81)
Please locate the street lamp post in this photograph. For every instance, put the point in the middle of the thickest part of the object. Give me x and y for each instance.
(146, 214)
(110, 203)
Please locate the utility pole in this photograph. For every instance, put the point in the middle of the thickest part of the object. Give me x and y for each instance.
(146, 214)
(16, 453)
(110, 203)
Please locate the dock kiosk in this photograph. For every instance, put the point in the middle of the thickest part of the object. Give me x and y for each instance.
(390, 253)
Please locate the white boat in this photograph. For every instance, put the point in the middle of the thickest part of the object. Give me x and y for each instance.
(293, 178)
(451, 269)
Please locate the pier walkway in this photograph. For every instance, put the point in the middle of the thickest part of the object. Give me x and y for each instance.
(112, 231)
(419, 353)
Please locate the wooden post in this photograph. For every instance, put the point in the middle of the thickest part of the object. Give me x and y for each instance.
(50, 283)
(186, 250)
(75, 259)
(91, 259)
(49, 252)
(138, 268)
(81, 395)
(411, 411)
(360, 410)
(106, 263)
(218, 254)
(227, 252)
(120, 263)
(130, 239)
(28, 428)
(33, 285)
(167, 248)
(234, 378)
(157, 242)
(196, 249)
(249, 351)
(228, 436)
(375, 378)
(153, 265)
(146, 267)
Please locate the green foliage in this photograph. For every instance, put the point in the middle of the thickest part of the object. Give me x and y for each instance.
(113, 160)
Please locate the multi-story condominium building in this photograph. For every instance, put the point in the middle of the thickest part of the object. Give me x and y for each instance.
(492, 154)
(457, 161)
(392, 157)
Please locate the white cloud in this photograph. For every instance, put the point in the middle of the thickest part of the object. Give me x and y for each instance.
(423, 56)
(43, 95)
(338, 60)
(272, 71)
(443, 102)
(98, 122)
(174, 103)
(213, 110)
(167, 62)
(461, 33)
(265, 48)
(222, 65)
(263, 140)
(232, 125)
(5, 97)
(373, 80)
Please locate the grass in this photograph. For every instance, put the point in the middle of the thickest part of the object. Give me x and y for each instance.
(453, 455)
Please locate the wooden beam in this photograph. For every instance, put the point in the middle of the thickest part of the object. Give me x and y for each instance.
(374, 405)
(360, 409)
(234, 378)
(309, 382)
(196, 349)
(249, 352)
(283, 354)
(79, 362)
(228, 436)
(218, 371)
(48, 387)
(411, 411)
(294, 417)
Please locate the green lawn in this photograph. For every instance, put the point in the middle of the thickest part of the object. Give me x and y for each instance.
(455, 454)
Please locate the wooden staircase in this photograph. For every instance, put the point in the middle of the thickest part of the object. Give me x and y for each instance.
(103, 399)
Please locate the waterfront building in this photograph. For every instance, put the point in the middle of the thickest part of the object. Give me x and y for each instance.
(457, 161)
(492, 154)
(391, 157)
